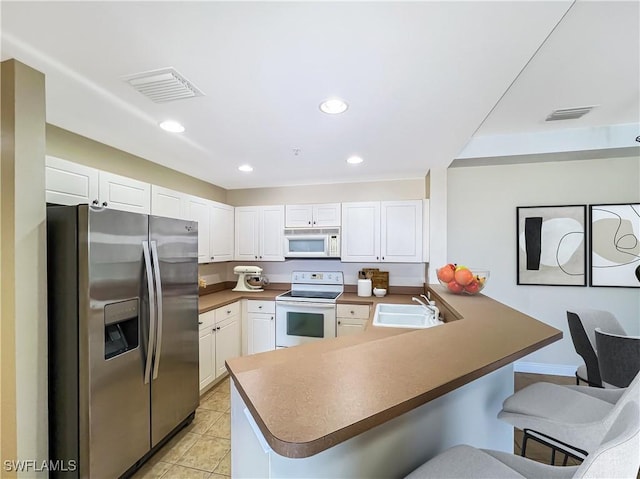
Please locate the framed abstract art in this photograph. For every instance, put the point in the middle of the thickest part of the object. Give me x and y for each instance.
(615, 245)
(552, 245)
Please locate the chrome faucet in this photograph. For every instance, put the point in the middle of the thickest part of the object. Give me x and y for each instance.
(430, 306)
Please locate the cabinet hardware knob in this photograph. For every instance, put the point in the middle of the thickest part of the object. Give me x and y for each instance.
(104, 203)
(377, 257)
(199, 322)
(353, 312)
(228, 311)
(339, 322)
(94, 202)
(218, 328)
(259, 307)
(309, 222)
(256, 257)
(271, 318)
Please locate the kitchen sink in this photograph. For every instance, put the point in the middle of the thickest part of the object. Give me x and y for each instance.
(404, 316)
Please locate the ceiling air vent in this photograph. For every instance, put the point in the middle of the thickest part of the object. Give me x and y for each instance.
(163, 85)
(569, 113)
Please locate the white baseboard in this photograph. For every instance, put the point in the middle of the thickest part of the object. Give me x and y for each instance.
(544, 368)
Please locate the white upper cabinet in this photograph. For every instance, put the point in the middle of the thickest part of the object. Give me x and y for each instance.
(166, 202)
(312, 216)
(126, 194)
(360, 232)
(401, 231)
(382, 231)
(69, 183)
(259, 233)
(197, 209)
(220, 232)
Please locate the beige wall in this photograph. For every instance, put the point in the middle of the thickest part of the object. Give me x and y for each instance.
(23, 324)
(412, 189)
(481, 232)
(79, 149)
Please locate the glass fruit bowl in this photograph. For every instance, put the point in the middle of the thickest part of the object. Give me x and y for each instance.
(461, 279)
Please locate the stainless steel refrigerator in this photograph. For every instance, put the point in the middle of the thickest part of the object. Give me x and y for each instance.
(123, 336)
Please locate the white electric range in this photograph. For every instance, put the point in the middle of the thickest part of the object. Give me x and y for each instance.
(308, 312)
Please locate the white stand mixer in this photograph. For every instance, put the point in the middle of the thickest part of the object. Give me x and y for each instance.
(250, 278)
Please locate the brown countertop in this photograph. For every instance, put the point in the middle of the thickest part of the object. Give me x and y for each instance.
(210, 301)
(309, 398)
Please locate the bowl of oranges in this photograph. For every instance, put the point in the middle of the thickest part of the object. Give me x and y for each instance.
(462, 280)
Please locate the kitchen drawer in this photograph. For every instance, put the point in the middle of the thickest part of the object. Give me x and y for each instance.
(261, 306)
(227, 311)
(206, 320)
(360, 311)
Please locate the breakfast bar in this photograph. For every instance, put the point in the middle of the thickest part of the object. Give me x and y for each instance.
(379, 403)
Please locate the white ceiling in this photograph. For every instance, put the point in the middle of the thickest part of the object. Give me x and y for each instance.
(421, 78)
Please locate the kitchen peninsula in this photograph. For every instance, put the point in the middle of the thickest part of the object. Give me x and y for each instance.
(380, 403)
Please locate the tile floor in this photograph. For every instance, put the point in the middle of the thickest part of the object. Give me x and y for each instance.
(203, 449)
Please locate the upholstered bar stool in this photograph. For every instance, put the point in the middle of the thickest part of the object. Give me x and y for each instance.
(618, 358)
(616, 455)
(582, 326)
(568, 419)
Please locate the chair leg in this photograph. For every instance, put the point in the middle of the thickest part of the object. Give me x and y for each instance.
(524, 444)
(566, 458)
(553, 456)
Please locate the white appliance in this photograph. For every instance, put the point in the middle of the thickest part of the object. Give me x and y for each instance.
(249, 278)
(312, 243)
(307, 313)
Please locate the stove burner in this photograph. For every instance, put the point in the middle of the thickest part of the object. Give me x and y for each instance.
(311, 294)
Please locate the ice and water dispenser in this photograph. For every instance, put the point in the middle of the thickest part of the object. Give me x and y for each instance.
(121, 327)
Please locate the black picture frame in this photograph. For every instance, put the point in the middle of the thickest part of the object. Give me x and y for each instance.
(614, 245)
(551, 245)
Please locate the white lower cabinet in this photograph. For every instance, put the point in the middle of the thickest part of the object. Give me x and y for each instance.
(352, 318)
(220, 339)
(261, 325)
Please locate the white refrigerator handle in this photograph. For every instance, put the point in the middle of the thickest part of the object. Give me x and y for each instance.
(156, 271)
(152, 312)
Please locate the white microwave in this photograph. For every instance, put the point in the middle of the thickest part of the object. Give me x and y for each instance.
(312, 243)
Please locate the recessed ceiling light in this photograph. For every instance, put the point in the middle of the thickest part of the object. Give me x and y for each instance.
(333, 106)
(354, 160)
(245, 168)
(172, 126)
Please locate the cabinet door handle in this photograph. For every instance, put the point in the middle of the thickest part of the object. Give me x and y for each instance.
(339, 322)
(353, 312)
(309, 222)
(271, 318)
(199, 322)
(94, 202)
(259, 307)
(104, 203)
(377, 257)
(218, 328)
(256, 257)
(228, 311)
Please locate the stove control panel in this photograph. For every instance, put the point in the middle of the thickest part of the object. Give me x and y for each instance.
(317, 277)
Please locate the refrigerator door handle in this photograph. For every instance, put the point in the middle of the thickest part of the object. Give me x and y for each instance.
(156, 270)
(152, 312)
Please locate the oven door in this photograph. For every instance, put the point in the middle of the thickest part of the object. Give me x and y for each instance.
(299, 322)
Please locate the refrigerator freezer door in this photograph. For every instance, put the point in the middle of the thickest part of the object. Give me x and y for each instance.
(174, 392)
(111, 263)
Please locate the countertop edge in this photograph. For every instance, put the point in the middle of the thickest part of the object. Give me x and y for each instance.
(310, 448)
